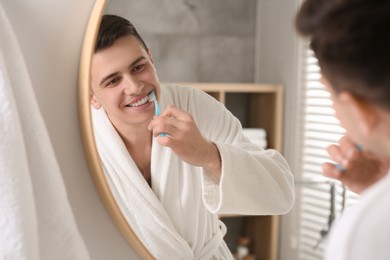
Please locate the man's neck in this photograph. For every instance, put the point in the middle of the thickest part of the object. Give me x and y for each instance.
(138, 142)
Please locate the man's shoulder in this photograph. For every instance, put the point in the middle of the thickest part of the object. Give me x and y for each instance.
(184, 92)
(181, 88)
(188, 98)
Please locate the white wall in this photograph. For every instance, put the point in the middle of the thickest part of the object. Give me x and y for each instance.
(277, 62)
(50, 34)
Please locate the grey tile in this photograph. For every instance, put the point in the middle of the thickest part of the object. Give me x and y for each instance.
(196, 40)
(227, 59)
(227, 17)
(175, 56)
(156, 16)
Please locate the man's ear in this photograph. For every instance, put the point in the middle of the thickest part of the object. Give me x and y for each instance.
(364, 113)
(95, 103)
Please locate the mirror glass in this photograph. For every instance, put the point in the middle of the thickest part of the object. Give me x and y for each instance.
(187, 41)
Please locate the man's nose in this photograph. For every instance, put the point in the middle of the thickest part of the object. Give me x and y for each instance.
(132, 86)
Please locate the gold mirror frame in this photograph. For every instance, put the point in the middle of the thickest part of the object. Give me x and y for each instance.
(88, 139)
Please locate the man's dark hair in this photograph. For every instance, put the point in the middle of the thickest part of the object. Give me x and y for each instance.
(112, 28)
(351, 40)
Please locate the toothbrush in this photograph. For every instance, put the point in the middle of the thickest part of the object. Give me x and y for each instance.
(152, 97)
(340, 167)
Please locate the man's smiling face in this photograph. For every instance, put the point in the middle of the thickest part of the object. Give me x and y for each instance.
(122, 76)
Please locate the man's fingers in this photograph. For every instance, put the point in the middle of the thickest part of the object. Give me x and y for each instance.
(331, 171)
(349, 150)
(335, 153)
(172, 111)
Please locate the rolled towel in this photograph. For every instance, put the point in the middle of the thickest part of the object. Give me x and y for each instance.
(257, 136)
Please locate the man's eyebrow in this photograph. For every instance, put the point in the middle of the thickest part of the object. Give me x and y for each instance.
(107, 77)
(137, 60)
(113, 74)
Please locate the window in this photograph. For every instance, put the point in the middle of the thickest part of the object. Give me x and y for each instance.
(319, 128)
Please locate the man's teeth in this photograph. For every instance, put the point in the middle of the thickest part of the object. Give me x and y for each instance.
(140, 102)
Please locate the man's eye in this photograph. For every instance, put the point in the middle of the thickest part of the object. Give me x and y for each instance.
(138, 67)
(113, 82)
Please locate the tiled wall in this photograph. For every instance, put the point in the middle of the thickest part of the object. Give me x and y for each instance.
(196, 40)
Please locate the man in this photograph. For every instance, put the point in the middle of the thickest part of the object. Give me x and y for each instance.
(171, 187)
(351, 40)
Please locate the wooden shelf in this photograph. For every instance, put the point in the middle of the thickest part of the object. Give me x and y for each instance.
(265, 105)
(261, 107)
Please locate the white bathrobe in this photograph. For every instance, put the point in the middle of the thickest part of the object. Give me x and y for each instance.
(363, 232)
(177, 218)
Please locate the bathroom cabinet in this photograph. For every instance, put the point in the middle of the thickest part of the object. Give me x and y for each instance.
(257, 106)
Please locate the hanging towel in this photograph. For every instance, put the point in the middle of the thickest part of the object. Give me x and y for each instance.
(36, 221)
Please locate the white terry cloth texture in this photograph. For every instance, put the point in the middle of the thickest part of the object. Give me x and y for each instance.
(36, 221)
(137, 201)
(363, 231)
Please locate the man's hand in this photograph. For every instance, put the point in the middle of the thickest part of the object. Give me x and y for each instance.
(357, 169)
(186, 141)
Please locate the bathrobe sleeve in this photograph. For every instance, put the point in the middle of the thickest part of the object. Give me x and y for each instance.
(254, 181)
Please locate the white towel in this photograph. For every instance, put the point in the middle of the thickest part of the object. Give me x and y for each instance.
(36, 221)
(137, 201)
(257, 136)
